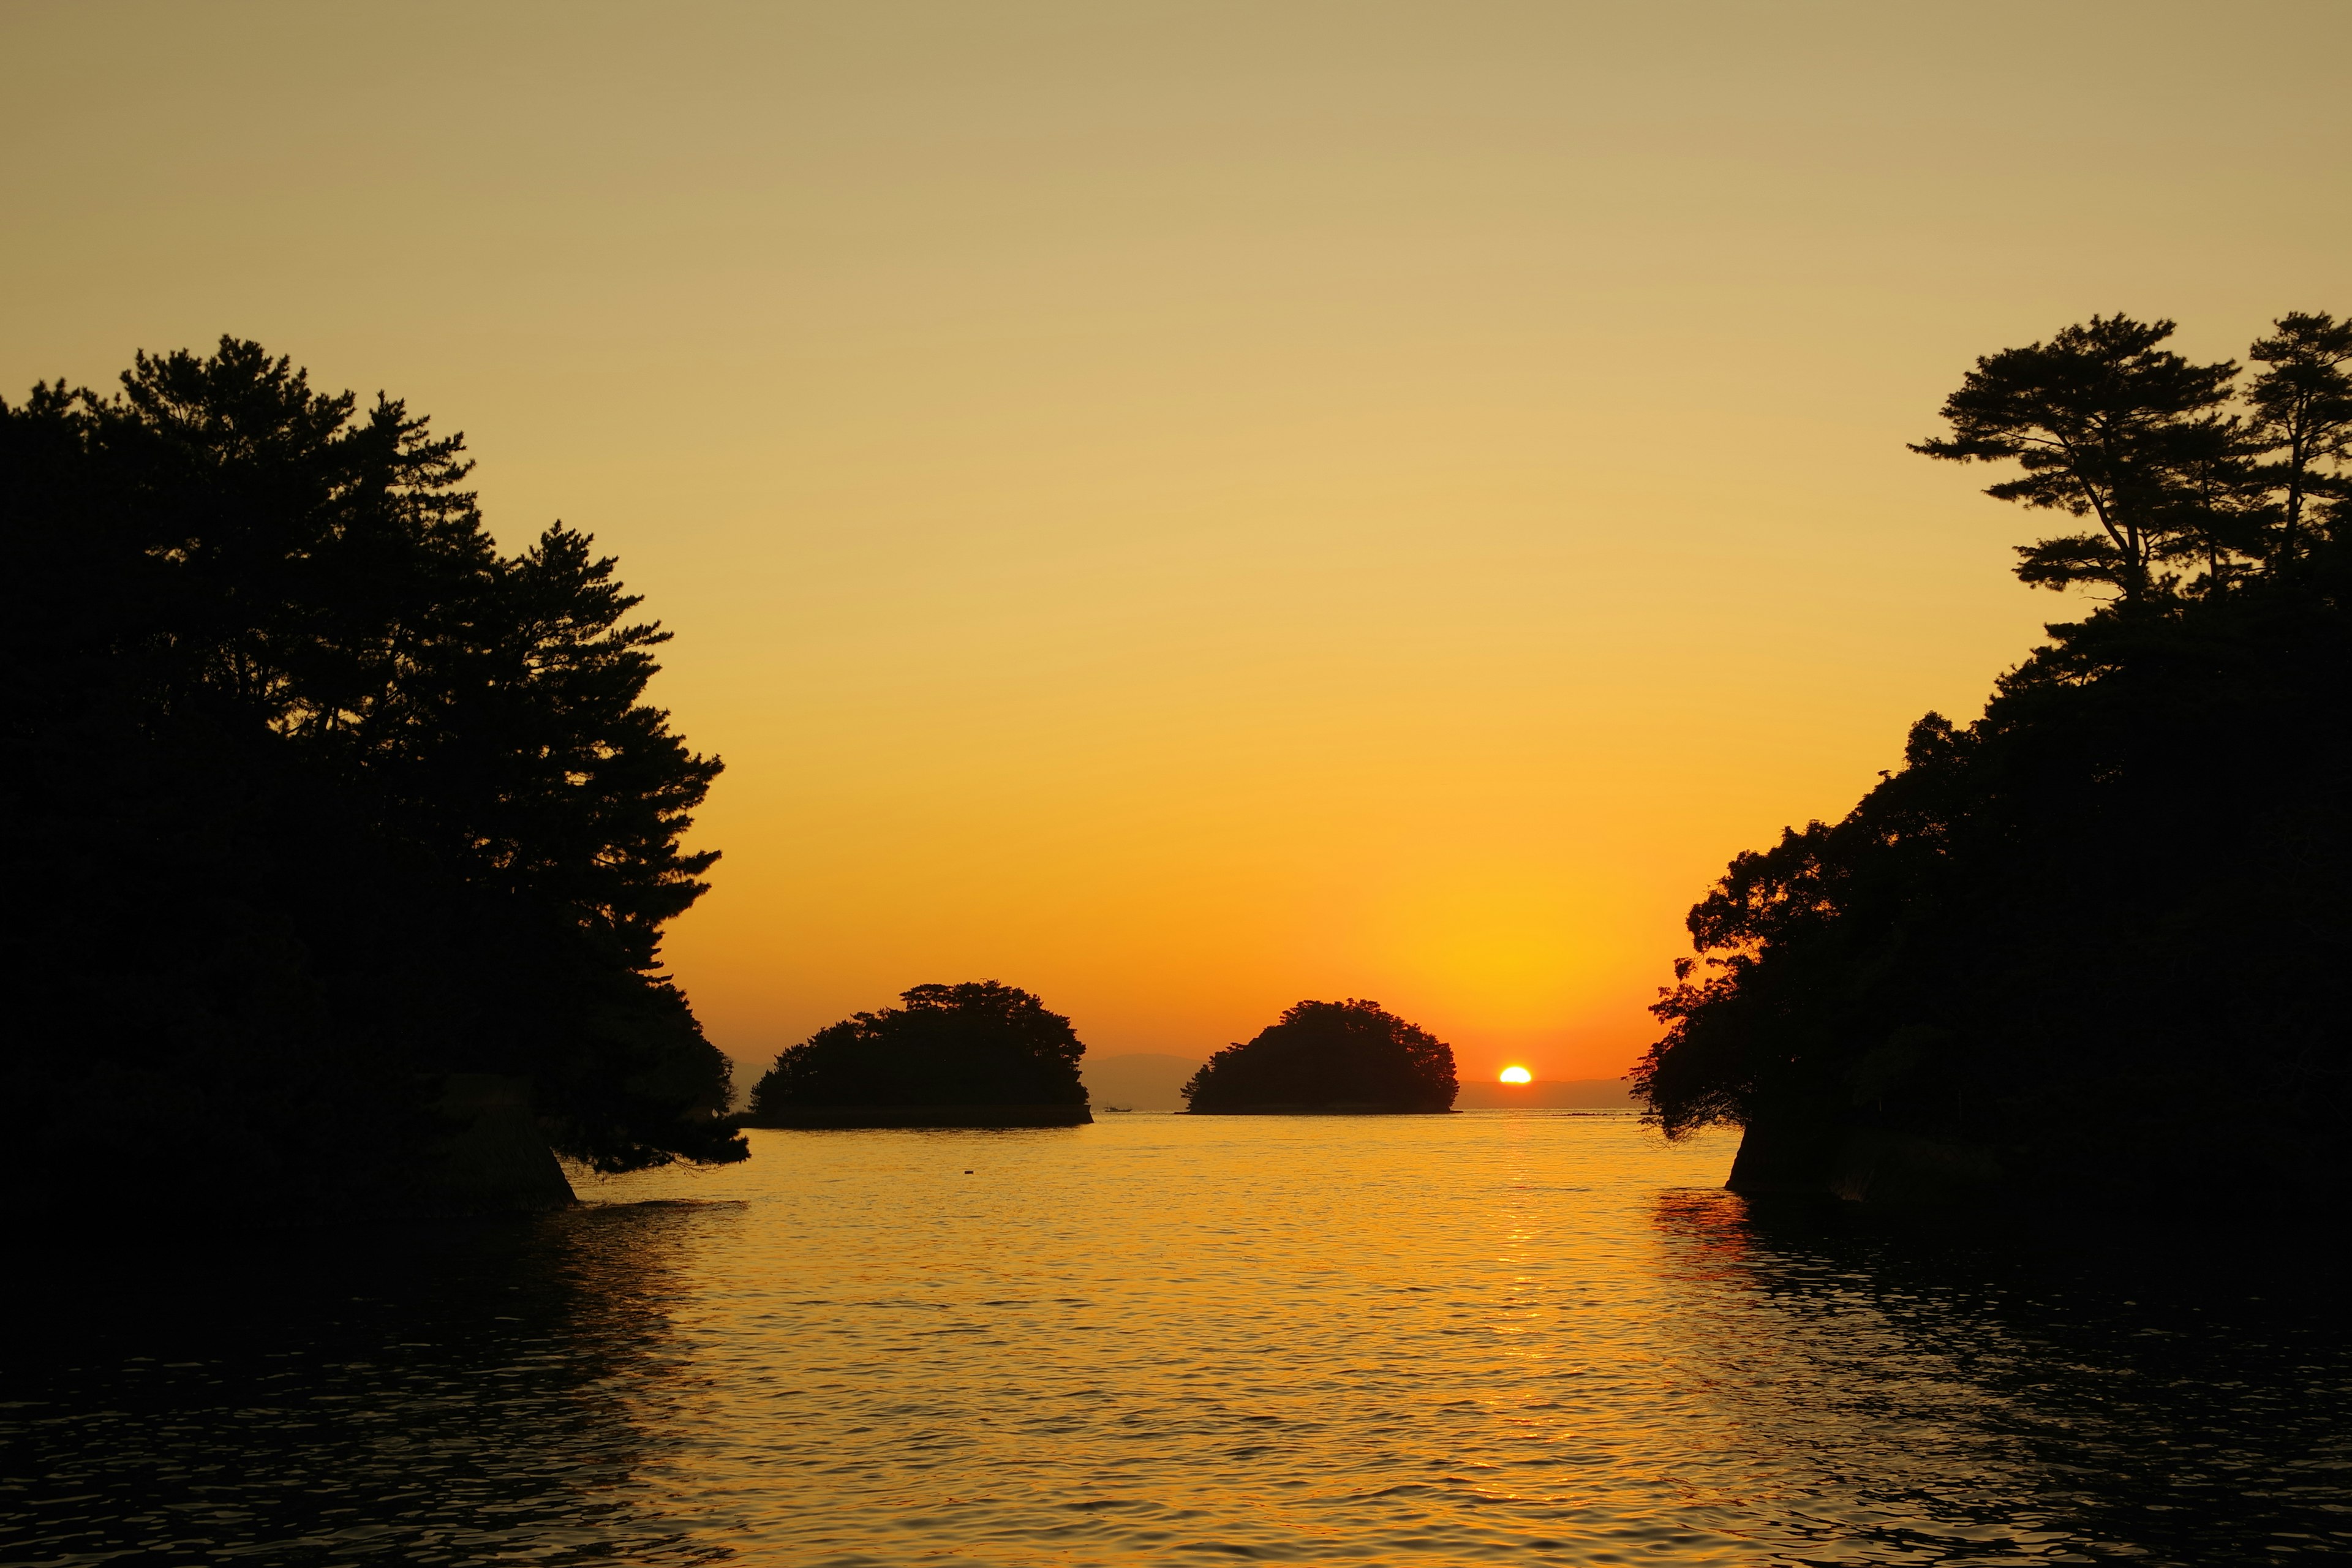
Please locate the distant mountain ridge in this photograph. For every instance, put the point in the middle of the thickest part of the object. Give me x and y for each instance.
(1547, 1094)
(1153, 1080)
(1139, 1081)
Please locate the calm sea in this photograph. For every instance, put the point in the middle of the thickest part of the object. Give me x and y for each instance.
(1500, 1336)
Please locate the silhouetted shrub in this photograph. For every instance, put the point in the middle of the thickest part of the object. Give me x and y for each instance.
(1320, 1056)
(980, 1043)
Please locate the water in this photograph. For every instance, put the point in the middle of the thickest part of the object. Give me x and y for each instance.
(1509, 1336)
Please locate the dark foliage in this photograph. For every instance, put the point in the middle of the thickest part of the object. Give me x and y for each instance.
(2096, 930)
(1328, 1055)
(312, 794)
(2106, 426)
(2188, 487)
(975, 1044)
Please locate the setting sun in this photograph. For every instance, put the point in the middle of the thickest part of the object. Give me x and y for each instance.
(1517, 1075)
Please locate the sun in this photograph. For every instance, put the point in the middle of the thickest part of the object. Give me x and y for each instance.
(1517, 1075)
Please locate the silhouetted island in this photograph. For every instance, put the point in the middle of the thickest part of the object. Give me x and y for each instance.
(350, 837)
(2089, 946)
(976, 1055)
(1327, 1057)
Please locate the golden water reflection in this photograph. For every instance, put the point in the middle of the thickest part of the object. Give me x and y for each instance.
(1528, 1336)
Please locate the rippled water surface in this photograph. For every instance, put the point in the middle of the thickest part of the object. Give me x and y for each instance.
(1507, 1336)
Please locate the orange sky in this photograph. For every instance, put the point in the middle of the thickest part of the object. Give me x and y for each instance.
(1184, 507)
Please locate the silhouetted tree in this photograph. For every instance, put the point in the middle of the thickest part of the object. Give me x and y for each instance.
(980, 1043)
(327, 795)
(2109, 426)
(2302, 407)
(2092, 930)
(1322, 1055)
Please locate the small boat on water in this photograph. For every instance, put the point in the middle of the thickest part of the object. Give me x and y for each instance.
(1122, 1110)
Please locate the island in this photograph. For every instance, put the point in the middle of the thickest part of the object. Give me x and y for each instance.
(1350, 1058)
(980, 1054)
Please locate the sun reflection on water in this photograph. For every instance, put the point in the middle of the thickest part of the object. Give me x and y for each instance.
(1530, 1334)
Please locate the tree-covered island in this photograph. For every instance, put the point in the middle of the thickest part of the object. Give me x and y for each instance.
(980, 1054)
(337, 833)
(1324, 1057)
(2091, 945)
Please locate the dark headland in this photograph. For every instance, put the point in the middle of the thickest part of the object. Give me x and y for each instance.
(2090, 948)
(354, 834)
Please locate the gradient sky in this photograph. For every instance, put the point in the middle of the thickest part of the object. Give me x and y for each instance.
(1188, 507)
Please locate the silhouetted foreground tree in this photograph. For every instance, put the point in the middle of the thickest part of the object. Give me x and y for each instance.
(310, 795)
(2187, 488)
(1328, 1056)
(977, 1046)
(2087, 943)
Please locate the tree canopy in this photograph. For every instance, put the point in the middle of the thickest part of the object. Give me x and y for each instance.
(325, 795)
(977, 1044)
(1328, 1055)
(2091, 929)
(2189, 478)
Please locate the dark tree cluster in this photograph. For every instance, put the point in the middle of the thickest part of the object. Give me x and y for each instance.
(978, 1043)
(312, 794)
(2097, 931)
(1328, 1056)
(2191, 479)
